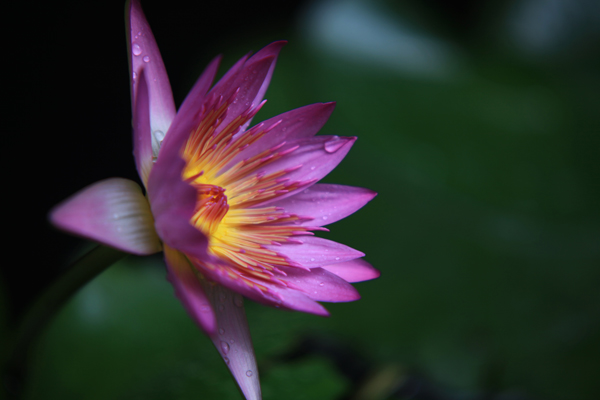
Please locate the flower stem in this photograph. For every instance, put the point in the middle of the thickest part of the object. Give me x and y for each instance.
(46, 306)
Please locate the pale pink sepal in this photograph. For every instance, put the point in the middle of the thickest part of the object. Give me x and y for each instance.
(113, 212)
(326, 203)
(189, 291)
(144, 54)
(232, 338)
(142, 137)
(353, 271)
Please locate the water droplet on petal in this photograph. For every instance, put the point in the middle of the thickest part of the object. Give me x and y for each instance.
(321, 284)
(248, 373)
(226, 359)
(147, 59)
(221, 331)
(312, 259)
(159, 135)
(334, 144)
(324, 216)
(225, 347)
(337, 258)
(204, 308)
(136, 49)
(134, 76)
(238, 300)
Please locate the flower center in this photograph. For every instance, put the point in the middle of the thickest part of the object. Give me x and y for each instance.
(211, 208)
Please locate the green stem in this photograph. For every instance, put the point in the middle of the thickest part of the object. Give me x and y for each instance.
(47, 305)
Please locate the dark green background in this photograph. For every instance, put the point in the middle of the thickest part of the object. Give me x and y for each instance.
(486, 228)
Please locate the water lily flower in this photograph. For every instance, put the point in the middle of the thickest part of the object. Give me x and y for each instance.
(233, 208)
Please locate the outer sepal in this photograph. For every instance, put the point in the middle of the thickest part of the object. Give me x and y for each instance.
(232, 338)
(113, 212)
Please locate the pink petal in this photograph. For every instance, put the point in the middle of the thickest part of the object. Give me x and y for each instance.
(275, 295)
(249, 82)
(316, 252)
(250, 78)
(312, 160)
(353, 271)
(326, 203)
(189, 290)
(303, 122)
(144, 54)
(321, 285)
(142, 139)
(271, 50)
(297, 301)
(232, 339)
(187, 118)
(113, 212)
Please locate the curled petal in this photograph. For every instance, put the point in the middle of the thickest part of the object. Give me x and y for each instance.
(173, 202)
(326, 203)
(353, 271)
(113, 212)
(321, 285)
(144, 54)
(189, 291)
(316, 252)
(232, 338)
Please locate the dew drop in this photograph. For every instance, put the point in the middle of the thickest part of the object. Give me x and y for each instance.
(134, 76)
(321, 284)
(136, 49)
(238, 300)
(221, 331)
(248, 373)
(205, 309)
(225, 347)
(324, 217)
(232, 341)
(337, 258)
(226, 359)
(159, 135)
(312, 168)
(147, 59)
(334, 144)
(312, 259)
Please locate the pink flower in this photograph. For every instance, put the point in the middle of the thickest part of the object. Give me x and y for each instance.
(232, 208)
